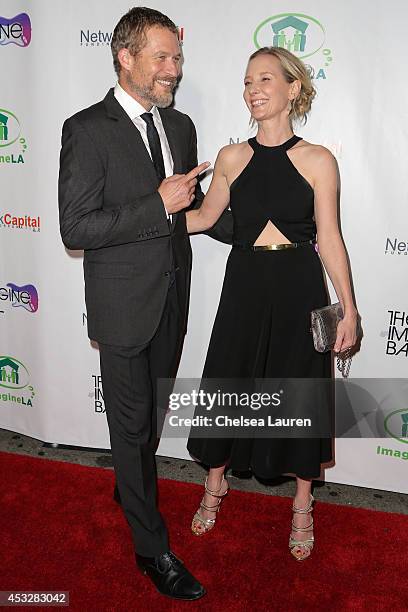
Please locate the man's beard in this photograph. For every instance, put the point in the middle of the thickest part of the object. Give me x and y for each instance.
(147, 92)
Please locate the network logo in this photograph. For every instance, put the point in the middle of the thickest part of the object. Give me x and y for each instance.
(16, 30)
(393, 245)
(95, 38)
(99, 38)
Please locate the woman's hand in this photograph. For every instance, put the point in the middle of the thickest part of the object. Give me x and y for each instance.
(346, 333)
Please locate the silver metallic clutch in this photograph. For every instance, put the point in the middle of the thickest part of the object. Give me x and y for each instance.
(324, 326)
(324, 330)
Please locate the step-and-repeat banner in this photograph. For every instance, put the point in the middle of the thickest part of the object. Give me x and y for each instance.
(55, 60)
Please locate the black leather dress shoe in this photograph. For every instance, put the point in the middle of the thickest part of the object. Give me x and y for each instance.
(170, 576)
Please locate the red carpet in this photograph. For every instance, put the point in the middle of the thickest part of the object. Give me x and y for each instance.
(60, 530)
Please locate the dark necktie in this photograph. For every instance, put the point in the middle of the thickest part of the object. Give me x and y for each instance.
(155, 146)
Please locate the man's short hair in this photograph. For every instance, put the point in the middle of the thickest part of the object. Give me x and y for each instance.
(130, 32)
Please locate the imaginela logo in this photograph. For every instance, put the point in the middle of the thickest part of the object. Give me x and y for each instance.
(16, 30)
(396, 425)
(302, 35)
(25, 296)
(11, 136)
(15, 382)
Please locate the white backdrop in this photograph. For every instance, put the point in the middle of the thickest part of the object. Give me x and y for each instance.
(360, 114)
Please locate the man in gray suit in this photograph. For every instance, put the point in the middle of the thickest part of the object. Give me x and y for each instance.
(128, 171)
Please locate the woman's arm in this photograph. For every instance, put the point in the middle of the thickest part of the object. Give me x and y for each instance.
(215, 201)
(330, 243)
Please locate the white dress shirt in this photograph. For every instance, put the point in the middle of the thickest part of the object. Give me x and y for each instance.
(133, 109)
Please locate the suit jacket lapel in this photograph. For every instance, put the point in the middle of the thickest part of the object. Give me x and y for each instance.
(129, 134)
(173, 140)
(137, 149)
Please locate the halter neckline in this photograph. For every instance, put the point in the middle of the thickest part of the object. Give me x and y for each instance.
(285, 145)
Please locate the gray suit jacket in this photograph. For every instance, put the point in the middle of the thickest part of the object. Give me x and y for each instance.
(110, 207)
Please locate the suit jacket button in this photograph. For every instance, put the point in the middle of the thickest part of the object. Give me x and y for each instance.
(167, 273)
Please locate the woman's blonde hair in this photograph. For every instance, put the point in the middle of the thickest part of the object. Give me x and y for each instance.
(293, 69)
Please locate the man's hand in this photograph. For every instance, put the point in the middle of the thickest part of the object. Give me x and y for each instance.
(178, 191)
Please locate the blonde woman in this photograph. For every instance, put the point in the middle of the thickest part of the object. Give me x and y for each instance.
(282, 192)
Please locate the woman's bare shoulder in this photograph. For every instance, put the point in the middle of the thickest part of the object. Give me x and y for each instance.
(231, 155)
(234, 150)
(317, 160)
(315, 151)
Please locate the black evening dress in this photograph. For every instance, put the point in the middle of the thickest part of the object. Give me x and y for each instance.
(262, 327)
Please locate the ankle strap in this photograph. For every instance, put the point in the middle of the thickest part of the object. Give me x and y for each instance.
(304, 510)
(302, 529)
(211, 508)
(214, 493)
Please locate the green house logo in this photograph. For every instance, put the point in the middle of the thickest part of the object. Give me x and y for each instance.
(13, 373)
(3, 128)
(9, 128)
(301, 34)
(396, 425)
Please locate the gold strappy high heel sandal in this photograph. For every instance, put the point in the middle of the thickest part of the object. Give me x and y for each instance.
(305, 546)
(207, 524)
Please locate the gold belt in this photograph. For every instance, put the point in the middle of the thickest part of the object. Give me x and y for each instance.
(274, 247)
